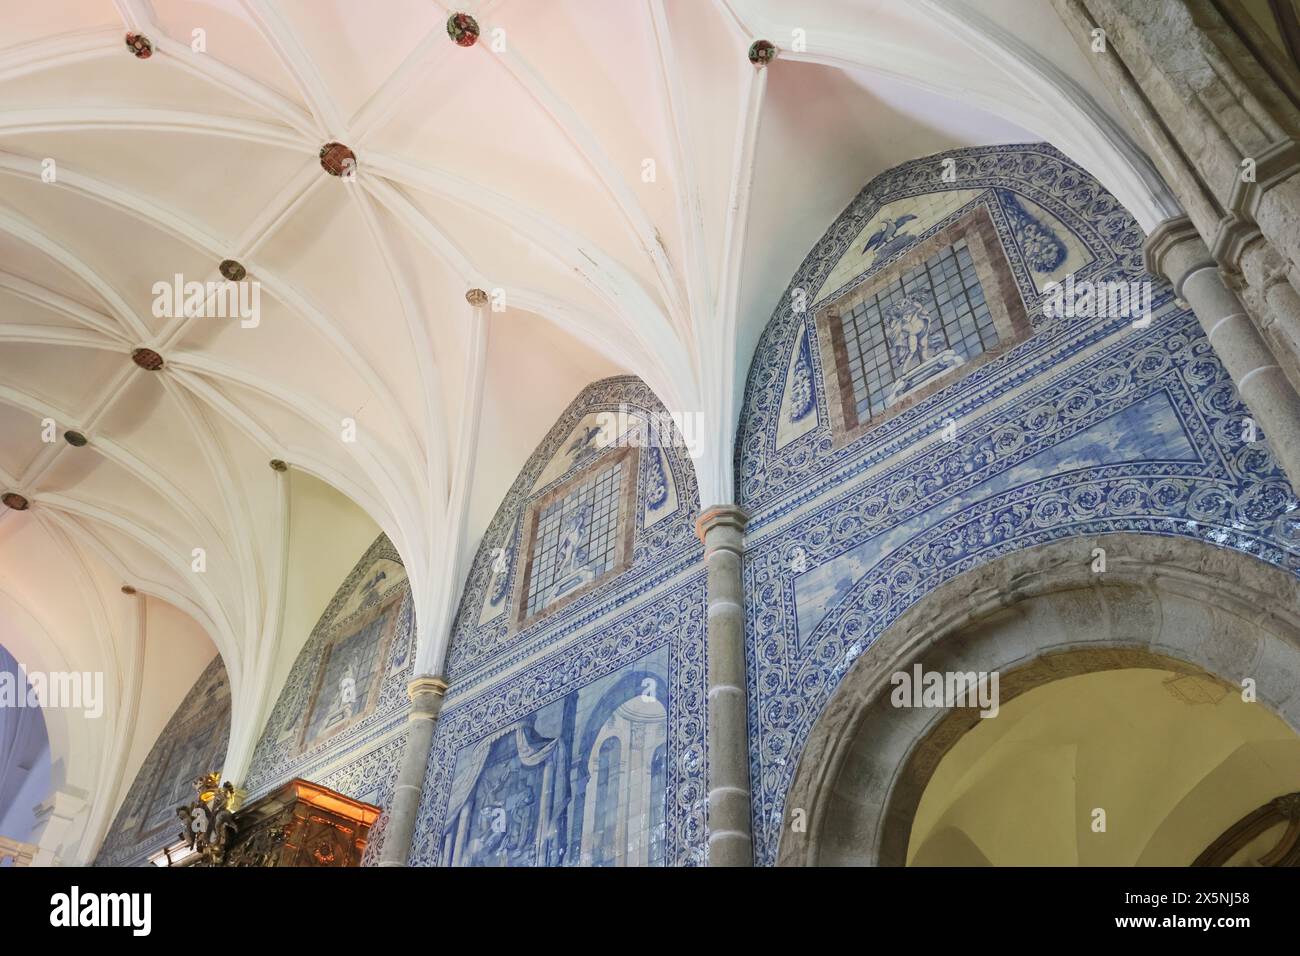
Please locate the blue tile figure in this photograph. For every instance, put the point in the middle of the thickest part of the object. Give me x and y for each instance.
(579, 782)
(917, 345)
(888, 239)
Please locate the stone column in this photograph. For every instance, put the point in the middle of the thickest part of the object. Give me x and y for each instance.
(1276, 304)
(1175, 249)
(1220, 124)
(722, 529)
(426, 695)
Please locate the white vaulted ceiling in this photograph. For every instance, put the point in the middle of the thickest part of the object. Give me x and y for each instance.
(513, 165)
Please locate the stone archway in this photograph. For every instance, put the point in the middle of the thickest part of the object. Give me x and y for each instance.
(1034, 616)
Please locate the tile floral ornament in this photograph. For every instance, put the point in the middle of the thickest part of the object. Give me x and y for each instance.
(1039, 244)
(1087, 425)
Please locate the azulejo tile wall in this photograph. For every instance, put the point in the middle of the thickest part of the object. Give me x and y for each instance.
(1091, 425)
(340, 719)
(193, 743)
(574, 735)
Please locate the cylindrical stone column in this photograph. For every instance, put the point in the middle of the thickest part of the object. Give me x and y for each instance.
(722, 529)
(426, 695)
(1277, 305)
(1174, 249)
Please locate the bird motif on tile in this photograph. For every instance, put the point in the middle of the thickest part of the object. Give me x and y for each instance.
(887, 233)
(584, 439)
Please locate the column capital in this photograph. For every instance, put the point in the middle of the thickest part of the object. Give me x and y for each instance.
(426, 685)
(721, 516)
(1235, 233)
(1174, 249)
(426, 695)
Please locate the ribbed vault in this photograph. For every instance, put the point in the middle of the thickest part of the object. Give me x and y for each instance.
(628, 188)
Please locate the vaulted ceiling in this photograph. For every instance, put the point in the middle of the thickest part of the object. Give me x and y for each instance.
(628, 187)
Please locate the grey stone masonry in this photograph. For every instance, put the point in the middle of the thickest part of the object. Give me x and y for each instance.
(1175, 250)
(1222, 125)
(426, 695)
(722, 529)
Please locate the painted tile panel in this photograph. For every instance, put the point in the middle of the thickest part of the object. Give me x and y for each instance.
(340, 719)
(577, 739)
(193, 743)
(1092, 425)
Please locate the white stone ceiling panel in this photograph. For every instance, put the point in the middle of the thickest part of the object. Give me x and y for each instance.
(354, 55)
(217, 186)
(232, 38)
(305, 443)
(22, 309)
(532, 359)
(617, 124)
(19, 438)
(106, 84)
(69, 379)
(90, 480)
(323, 251)
(147, 422)
(29, 22)
(282, 347)
(500, 151)
(20, 258)
(130, 268)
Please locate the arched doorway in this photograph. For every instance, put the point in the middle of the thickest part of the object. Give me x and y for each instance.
(1177, 608)
(1123, 767)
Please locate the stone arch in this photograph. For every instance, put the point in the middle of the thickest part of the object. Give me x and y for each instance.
(1035, 616)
